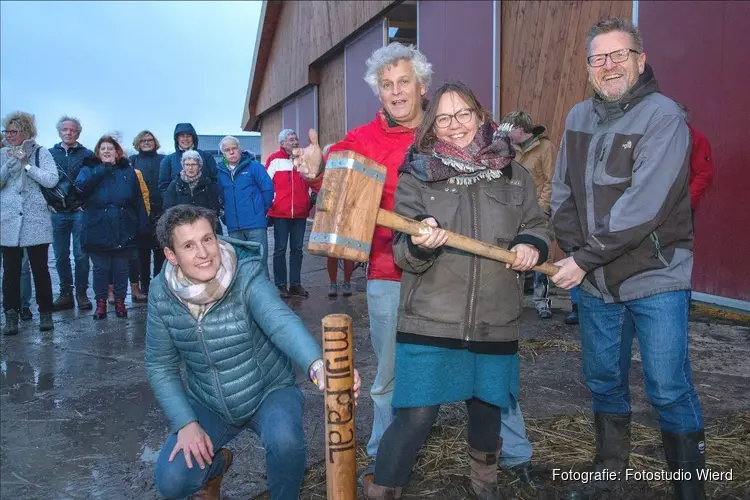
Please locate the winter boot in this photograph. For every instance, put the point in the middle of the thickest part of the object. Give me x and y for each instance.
(686, 453)
(45, 322)
(101, 309)
(84, 304)
(110, 295)
(347, 289)
(612, 454)
(333, 290)
(212, 489)
(11, 323)
(26, 314)
(572, 318)
(120, 309)
(64, 300)
(376, 492)
(483, 475)
(135, 294)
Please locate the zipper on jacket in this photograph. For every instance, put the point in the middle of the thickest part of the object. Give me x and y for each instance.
(601, 245)
(291, 178)
(658, 255)
(474, 268)
(219, 394)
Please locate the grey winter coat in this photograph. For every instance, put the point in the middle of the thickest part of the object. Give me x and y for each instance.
(25, 219)
(620, 199)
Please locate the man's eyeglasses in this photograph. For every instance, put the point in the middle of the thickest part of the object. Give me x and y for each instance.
(462, 116)
(618, 56)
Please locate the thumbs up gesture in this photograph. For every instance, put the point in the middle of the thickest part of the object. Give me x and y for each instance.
(308, 161)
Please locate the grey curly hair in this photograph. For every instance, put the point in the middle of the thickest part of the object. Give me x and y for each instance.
(390, 55)
(192, 155)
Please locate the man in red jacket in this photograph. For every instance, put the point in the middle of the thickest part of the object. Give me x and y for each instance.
(290, 208)
(399, 76)
(701, 161)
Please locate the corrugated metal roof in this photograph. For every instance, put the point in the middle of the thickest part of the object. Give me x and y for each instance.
(247, 142)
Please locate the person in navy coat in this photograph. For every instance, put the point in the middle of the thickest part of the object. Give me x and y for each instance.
(114, 216)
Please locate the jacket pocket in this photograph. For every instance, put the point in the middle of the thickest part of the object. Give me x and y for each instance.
(504, 208)
(442, 205)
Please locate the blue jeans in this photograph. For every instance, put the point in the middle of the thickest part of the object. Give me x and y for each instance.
(516, 446)
(291, 231)
(111, 268)
(574, 295)
(63, 226)
(382, 306)
(257, 236)
(25, 282)
(661, 324)
(278, 423)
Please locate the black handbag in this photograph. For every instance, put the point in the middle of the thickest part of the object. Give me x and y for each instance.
(56, 197)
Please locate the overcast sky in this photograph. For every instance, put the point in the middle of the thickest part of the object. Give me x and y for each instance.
(127, 66)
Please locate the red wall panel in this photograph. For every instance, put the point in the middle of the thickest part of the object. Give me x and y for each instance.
(361, 102)
(700, 52)
(456, 37)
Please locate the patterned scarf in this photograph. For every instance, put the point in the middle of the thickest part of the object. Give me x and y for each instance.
(199, 297)
(485, 158)
(191, 181)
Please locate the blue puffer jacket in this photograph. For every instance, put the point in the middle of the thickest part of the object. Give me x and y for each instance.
(171, 165)
(114, 214)
(235, 356)
(246, 192)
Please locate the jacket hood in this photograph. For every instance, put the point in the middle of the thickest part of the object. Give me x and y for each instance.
(612, 110)
(246, 250)
(185, 128)
(245, 159)
(538, 132)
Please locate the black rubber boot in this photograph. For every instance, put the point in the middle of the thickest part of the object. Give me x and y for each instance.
(11, 322)
(572, 318)
(686, 453)
(612, 454)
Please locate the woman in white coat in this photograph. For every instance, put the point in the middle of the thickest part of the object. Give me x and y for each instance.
(25, 220)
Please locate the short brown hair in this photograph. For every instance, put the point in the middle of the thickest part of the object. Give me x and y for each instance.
(615, 24)
(426, 137)
(180, 215)
(139, 138)
(111, 140)
(520, 119)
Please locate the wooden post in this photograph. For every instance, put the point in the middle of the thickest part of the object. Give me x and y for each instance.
(341, 446)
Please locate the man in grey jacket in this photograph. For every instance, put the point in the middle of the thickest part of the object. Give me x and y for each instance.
(621, 210)
(213, 308)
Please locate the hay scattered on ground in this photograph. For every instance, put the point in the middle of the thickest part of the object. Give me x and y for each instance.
(532, 348)
(720, 314)
(565, 441)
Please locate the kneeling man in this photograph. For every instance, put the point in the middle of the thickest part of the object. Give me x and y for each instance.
(214, 308)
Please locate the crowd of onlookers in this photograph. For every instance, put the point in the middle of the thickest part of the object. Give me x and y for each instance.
(104, 205)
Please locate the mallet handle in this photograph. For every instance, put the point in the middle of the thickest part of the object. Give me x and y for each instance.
(341, 446)
(412, 227)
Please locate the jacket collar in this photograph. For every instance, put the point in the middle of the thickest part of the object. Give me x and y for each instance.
(612, 110)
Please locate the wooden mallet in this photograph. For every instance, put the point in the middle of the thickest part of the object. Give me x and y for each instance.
(348, 208)
(341, 446)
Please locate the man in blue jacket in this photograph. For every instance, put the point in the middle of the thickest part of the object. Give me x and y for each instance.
(213, 307)
(246, 191)
(185, 138)
(67, 217)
